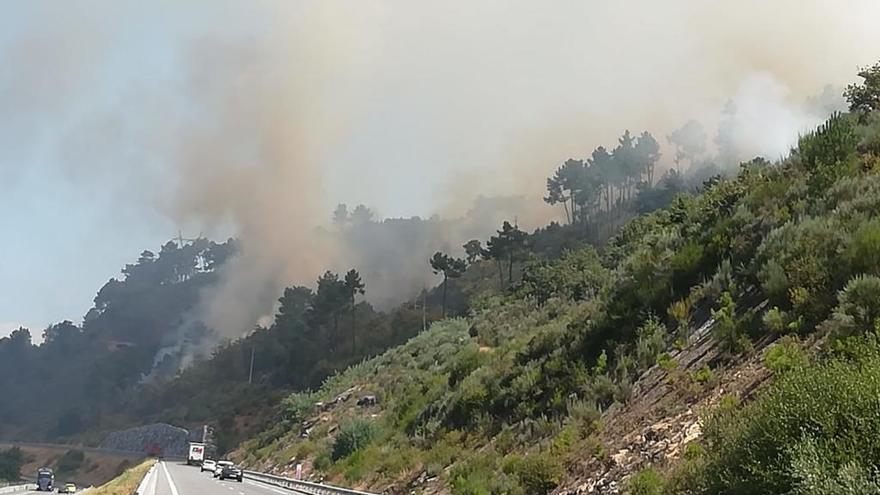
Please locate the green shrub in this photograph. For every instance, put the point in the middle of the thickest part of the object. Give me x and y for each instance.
(464, 363)
(686, 264)
(863, 251)
(536, 473)
(813, 474)
(297, 407)
(800, 266)
(71, 461)
(11, 461)
(576, 275)
(785, 355)
(352, 436)
(651, 341)
(824, 152)
(775, 320)
(480, 475)
(646, 482)
(703, 375)
(829, 408)
(858, 308)
(323, 461)
(666, 362)
(585, 414)
(727, 332)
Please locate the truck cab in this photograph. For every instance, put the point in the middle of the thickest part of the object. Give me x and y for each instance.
(45, 480)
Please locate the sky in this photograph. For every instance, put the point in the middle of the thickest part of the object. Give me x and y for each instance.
(124, 122)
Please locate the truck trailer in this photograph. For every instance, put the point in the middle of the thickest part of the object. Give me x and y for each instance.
(196, 454)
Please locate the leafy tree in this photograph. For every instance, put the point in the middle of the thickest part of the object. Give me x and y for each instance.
(362, 215)
(647, 154)
(601, 166)
(652, 198)
(564, 185)
(626, 165)
(449, 267)
(329, 300)
(293, 305)
(474, 250)
(63, 334)
(514, 241)
(11, 461)
(864, 97)
(18, 342)
(353, 286)
(556, 195)
(689, 141)
(340, 215)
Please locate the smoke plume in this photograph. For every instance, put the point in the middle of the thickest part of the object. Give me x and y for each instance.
(255, 119)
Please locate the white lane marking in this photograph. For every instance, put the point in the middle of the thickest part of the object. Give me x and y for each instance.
(170, 482)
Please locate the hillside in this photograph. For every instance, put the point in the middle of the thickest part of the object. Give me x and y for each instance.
(660, 364)
(144, 352)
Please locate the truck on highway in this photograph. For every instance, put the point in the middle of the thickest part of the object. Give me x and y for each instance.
(196, 454)
(45, 479)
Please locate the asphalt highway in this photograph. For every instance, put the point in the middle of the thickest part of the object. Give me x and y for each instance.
(174, 478)
(171, 478)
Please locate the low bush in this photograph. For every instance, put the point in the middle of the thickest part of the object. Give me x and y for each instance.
(352, 436)
(70, 461)
(819, 424)
(785, 355)
(11, 461)
(536, 473)
(646, 482)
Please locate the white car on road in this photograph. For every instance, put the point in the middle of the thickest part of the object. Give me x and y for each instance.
(209, 465)
(219, 467)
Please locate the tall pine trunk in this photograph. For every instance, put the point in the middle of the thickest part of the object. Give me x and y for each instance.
(444, 295)
(510, 271)
(335, 328)
(353, 328)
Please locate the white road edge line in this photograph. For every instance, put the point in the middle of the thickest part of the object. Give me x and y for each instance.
(150, 485)
(170, 481)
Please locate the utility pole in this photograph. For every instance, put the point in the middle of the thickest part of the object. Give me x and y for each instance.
(251, 374)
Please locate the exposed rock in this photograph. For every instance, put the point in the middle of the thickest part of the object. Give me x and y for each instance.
(156, 438)
(661, 418)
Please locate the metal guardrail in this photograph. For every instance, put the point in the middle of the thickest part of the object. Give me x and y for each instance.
(301, 486)
(25, 487)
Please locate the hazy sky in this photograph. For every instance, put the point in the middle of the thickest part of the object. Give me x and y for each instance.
(117, 118)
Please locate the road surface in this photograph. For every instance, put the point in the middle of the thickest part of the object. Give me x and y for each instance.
(173, 478)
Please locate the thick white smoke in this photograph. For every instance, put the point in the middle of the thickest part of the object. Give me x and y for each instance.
(255, 119)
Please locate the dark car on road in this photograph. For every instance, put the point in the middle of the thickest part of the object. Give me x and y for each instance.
(231, 473)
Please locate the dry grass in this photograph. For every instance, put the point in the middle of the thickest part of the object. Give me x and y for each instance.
(127, 482)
